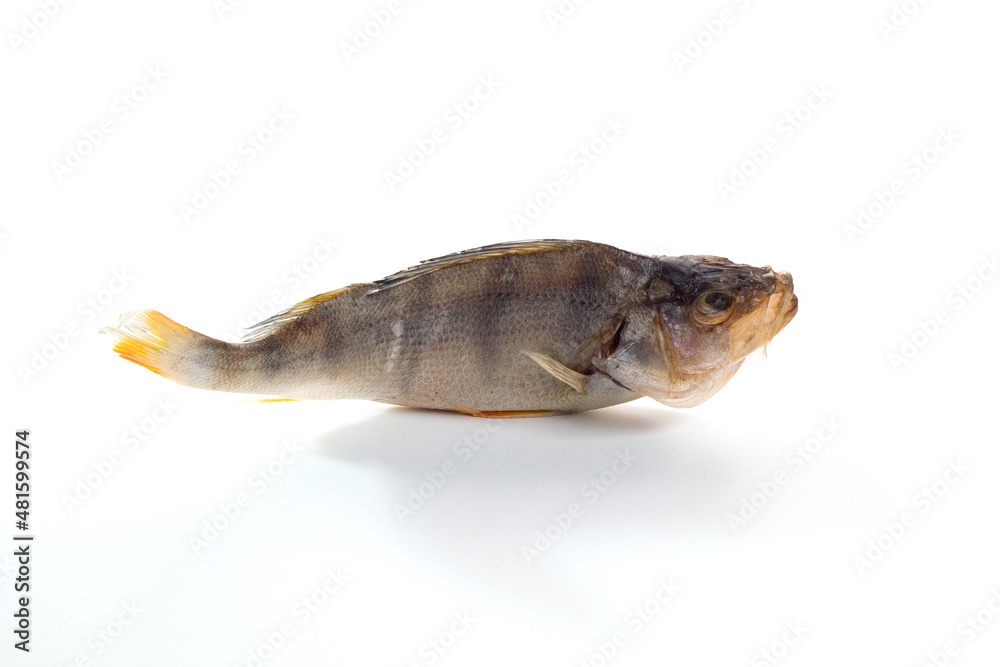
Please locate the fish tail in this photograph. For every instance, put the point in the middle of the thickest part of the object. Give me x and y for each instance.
(294, 354)
(154, 341)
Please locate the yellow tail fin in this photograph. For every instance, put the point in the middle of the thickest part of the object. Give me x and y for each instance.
(151, 339)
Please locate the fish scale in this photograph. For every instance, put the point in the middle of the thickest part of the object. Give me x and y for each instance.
(465, 328)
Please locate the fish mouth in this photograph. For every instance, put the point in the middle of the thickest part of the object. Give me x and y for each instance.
(793, 308)
(757, 329)
(784, 303)
(780, 308)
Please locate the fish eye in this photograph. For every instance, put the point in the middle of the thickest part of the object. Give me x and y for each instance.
(713, 307)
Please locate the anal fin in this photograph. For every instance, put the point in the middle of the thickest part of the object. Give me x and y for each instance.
(506, 414)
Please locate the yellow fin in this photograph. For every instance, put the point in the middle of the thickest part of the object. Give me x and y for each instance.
(275, 322)
(271, 400)
(559, 371)
(506, 414)
(152, 340)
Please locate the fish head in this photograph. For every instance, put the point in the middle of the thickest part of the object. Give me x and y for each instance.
(715, 312)
(704, 316)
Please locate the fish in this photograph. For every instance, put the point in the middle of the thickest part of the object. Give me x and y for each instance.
(515, 329)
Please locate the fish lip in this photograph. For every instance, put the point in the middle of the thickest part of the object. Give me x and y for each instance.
(786, 304)
(791, 304)
(793, 308)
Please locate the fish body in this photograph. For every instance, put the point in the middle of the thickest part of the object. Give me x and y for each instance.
(514, 329)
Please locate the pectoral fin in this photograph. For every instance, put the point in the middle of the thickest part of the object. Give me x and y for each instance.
(559, 371)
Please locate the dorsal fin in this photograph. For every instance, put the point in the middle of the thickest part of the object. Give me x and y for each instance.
(269, 326)
(495, 250)
(275, 322)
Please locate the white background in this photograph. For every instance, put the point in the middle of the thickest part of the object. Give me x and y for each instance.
(804, 556)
